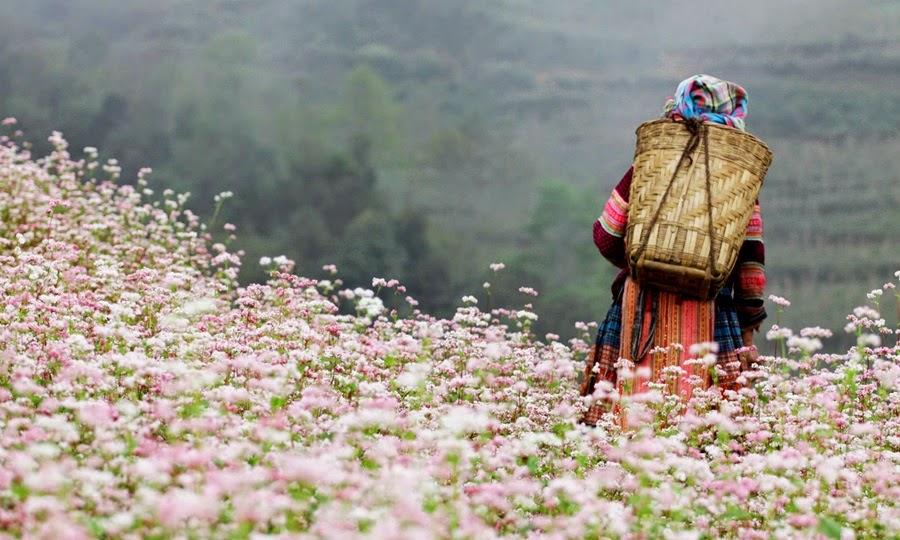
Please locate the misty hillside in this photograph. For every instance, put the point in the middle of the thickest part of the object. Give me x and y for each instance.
(425, 139)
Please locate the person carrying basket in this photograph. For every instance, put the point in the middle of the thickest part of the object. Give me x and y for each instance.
(684, 225)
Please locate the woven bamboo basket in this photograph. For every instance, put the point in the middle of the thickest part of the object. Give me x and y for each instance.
(685, 227)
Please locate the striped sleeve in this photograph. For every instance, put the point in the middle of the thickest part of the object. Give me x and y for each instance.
(750, 281)
(609, 229)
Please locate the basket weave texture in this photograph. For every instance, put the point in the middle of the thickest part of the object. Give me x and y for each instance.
(670, 242)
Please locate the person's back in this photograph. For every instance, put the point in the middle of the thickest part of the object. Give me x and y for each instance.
(654, 335)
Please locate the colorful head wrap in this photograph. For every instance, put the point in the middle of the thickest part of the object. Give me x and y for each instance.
(708, 98)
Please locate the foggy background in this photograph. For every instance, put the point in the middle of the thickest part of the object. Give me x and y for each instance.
(423, 140)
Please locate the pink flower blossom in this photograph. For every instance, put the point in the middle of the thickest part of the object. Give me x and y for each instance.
(143, 394)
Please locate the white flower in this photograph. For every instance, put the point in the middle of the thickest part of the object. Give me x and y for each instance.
(869, 340)
(265, 261)
(199, 306)
(464, 420)
(778, 333)
(698, 349)
(804, 343)
(371, 307)
(413, 375)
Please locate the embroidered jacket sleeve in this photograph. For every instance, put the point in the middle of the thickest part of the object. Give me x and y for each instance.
(609, 229)
(750, 276)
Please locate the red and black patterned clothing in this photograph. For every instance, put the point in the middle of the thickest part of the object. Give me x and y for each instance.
(747, 282)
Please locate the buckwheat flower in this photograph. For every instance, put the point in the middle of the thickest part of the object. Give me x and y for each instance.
(44, 451)
(468, 299)
(371, 307)
(281, 260)
(681, 535)
(10, 121)
(804, 344)
(265, 261)
(363, 293)
(111, 168)
(497, 350)
(119, 522)
(887, 373)
(876, 293)
(698, 349)
(179, 505)
(865, 312)
(778, 333)
(78, 342)
(330, 268)
(347, 294)
(816, 331)
(496, 267)
(413, 375)
(49, 478)
(465, 420)
(869, 340)
(199, 306)
(487, 285)
(779, 301)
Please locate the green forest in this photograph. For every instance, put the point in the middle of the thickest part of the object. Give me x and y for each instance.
(423, 140)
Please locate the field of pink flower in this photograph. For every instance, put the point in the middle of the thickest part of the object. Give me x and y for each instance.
(144, 394)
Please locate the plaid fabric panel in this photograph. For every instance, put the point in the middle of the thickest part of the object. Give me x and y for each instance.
(727, 334)
(601, 365)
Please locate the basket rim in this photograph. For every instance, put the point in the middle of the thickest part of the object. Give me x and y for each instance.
(713, 125)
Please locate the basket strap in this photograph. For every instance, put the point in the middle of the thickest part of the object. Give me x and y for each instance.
(698, 131)
(638, 349)
(713, 250)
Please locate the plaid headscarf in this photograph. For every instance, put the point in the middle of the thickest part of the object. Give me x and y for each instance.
(709, 98)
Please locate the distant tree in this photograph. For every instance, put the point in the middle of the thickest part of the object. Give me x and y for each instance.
(370, 247)
(371, 117)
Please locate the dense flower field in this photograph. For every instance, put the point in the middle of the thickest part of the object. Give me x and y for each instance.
(144, 394)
